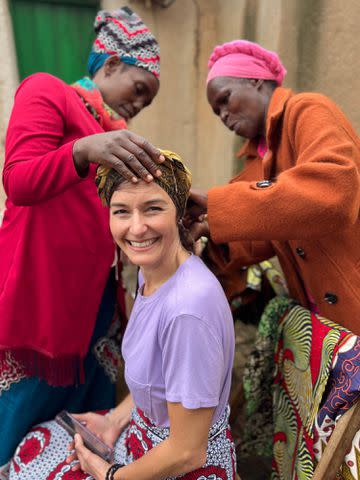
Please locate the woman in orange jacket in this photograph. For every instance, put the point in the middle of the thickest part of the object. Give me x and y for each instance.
(298, 196)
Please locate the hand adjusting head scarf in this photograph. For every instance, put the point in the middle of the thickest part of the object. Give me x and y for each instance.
(175, 180)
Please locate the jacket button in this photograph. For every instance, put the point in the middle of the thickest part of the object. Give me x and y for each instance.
(330, 298)
(264, 183)
(300, 251)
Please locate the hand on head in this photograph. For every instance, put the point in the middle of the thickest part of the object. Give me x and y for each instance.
(127, 153)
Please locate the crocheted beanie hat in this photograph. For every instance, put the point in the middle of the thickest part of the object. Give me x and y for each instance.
(123, 33)
(244, 59)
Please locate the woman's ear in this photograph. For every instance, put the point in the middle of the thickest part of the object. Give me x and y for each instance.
(111, 64)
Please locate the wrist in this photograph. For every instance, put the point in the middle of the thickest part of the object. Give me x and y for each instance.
(79, 158)
(111, 471)
(118, 421)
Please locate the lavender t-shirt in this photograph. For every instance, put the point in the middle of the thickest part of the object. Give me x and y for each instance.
(179, 344)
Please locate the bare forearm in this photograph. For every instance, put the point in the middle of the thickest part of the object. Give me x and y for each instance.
(165, 460)
(120, 416)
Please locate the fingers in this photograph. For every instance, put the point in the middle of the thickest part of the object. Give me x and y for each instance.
(79, 444)
(188, 221)
(135, 160)
(194, 213)
(127, 165)
(131, 155)
(81, 452)
(199, 229)
(78, 453)
(135, 155)
(196, 204)
(72, 457)
(198, 197)
(89, 462)
(146, 146)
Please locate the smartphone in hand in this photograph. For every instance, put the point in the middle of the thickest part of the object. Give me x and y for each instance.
(91, 441)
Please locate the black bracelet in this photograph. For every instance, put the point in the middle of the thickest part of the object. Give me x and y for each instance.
(112, 469)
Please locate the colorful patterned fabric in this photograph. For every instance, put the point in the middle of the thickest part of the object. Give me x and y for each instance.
(255, 274)
(341, 392)
(123, 33)
(93, 100)
(43, 451)
(256, 437)
(293, 400)
(304, 384)
(175, 180)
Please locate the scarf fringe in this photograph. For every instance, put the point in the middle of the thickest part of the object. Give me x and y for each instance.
(57, 372)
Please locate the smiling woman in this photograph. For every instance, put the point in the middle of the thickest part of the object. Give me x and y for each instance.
(178, 350)
(143, 224)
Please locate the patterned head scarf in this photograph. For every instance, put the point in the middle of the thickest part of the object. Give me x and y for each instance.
(123, 33)
(175, 180)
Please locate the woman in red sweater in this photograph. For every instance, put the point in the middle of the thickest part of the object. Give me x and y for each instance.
(57, 284)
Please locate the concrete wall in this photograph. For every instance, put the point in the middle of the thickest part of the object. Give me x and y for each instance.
(316, 39)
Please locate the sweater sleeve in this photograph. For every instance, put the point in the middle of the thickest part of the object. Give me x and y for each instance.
(319, 195)
(38, 165)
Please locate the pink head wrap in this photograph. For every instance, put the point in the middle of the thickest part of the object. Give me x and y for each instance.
(244, 59)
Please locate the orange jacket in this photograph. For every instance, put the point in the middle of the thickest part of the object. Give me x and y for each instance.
(306, 211)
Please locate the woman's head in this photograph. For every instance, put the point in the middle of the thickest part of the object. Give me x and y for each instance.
(242, 77)
(146, 218)
(124, 61)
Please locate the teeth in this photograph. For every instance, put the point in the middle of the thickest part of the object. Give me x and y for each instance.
(144, 244)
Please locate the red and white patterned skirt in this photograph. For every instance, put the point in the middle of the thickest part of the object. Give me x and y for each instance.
(42, 453)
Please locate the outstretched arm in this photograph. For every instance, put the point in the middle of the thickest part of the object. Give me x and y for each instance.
(319, 195)
(39, 166)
